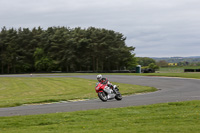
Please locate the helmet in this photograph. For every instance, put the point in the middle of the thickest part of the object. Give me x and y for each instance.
(99, 77)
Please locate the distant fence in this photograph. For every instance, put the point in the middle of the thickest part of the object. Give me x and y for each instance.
(191, 70)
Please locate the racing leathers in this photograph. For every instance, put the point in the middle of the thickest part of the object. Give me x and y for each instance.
(108, 89)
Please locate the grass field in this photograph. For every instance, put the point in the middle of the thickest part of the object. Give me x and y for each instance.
(15, 91)
(182, 117)
(176, 69)
(195, 75)
(181, 75)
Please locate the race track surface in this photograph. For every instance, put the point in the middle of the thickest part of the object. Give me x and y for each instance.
(169, 90)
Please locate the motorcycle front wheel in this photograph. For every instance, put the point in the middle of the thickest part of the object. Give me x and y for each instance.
(118, 96)
(102, 96)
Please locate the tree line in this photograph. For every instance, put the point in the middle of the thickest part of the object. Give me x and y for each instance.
(63, 49)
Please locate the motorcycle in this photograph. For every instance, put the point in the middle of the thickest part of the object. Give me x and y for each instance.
(106, 92)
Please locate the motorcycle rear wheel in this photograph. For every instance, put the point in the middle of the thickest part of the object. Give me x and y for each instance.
(102, 96)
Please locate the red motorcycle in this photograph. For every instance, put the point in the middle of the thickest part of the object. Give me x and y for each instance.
(106, 92)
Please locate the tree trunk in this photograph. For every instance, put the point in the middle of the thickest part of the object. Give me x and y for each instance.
(8, 69)
(14, 69)
(67, 68)
(93, 64)
(102, 66)
(97, 65)
(2, 69)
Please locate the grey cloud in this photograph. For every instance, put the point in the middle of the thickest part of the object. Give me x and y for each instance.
(154, 27)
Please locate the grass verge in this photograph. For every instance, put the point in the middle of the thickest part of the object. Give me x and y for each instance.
(175, 69)
(195, 75)
(180, 75)
(181, 117)
(15, 91)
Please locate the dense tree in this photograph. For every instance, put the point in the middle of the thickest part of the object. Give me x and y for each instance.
(63, 49)
(162, 63)
(8, 39)
(3, 36)
(145, 61)
(153, 66)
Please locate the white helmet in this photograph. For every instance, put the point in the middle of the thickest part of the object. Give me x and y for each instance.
(99, 77)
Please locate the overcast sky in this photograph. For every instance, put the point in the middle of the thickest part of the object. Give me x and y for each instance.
(157, 28)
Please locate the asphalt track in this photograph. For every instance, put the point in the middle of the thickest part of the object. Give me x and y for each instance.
(169, 90)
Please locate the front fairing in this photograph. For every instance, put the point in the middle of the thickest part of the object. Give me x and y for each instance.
(99, 87)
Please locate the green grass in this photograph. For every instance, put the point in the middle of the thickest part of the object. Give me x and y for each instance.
(15, 91)
(183, 117)
(174, 117)
(176, 69)
(180, 75)
(174, 72)
(164, 72)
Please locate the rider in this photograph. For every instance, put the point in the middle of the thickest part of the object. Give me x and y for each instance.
(105, 81)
